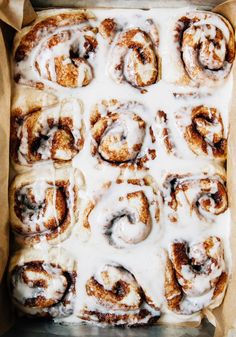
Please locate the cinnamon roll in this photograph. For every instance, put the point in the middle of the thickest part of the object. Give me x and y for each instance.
(44, 205)
(205, 49)
(49, 133)
(202, 195)
(121, 134)
(196, 276)
(133, 57)
(203, 131)
(126, 213)
(58, 49)
(115, 298)
(42, 283)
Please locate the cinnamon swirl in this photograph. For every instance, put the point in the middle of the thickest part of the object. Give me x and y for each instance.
(205, 49)
(196, 276)
(132, 187)
(57, 49)
(46, 133)
(121, 134)
(115, 298)
(203, 131)
(200, 133)
(202, 195)
(133, 57)
(42, 283)
(44, 205)
(126, 213)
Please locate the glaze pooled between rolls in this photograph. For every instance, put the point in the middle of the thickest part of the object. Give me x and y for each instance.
(119, 132)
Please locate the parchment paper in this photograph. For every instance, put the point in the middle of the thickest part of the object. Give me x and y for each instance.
(15, 13)
(18, 13)
(4, 168)
(226, 313)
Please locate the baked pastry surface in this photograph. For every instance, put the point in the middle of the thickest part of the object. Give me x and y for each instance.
(119, 129)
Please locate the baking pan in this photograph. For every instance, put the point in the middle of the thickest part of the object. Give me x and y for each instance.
(38, 328)
(30, 328)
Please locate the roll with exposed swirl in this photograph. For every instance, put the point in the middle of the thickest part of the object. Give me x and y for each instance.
(42, 283)
(58, 49)
(196, 275)
(203, 196)
(200, 133)
(45, 133)
(204, 49)
(126, 213)
(133, 56)
(203, 131)
(122, 135)
(116, 298)
(44, 205)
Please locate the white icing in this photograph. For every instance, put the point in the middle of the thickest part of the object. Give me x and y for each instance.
(118, 218)
(55, 287)
(54, 274)
(68, 108)
(145, 260)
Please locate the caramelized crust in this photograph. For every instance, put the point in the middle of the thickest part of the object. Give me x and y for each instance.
(173, 292)
(111, 122)
(42, 287)
(50, 24)
(162, 119)
(43, 208)
(53, 133)
(108, 29)
(116, 290)
(201, 135)
(206, 51)
(59, 48)
(195, 270)
(206, 196)
(134, 57)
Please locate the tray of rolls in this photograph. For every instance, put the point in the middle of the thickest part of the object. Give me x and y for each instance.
(119, 207)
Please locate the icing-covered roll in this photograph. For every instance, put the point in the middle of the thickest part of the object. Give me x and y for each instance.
(133, 57)
(58, 49)
(125, 213)
(44, 205)
(45, 133)
(201, 129)
(204, 49)
(196, 275)
(116, 298)
(202, 195)
(42, 283)
(122, 134)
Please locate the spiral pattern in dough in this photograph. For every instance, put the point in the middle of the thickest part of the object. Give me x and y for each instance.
(121, 135)
(207, 48)
(45, 206)
(134, 58)
(204, 195)
(196, 275)
(57, 49)
(54, 133)
(43, 283)
(117, 299)
(125, 213)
